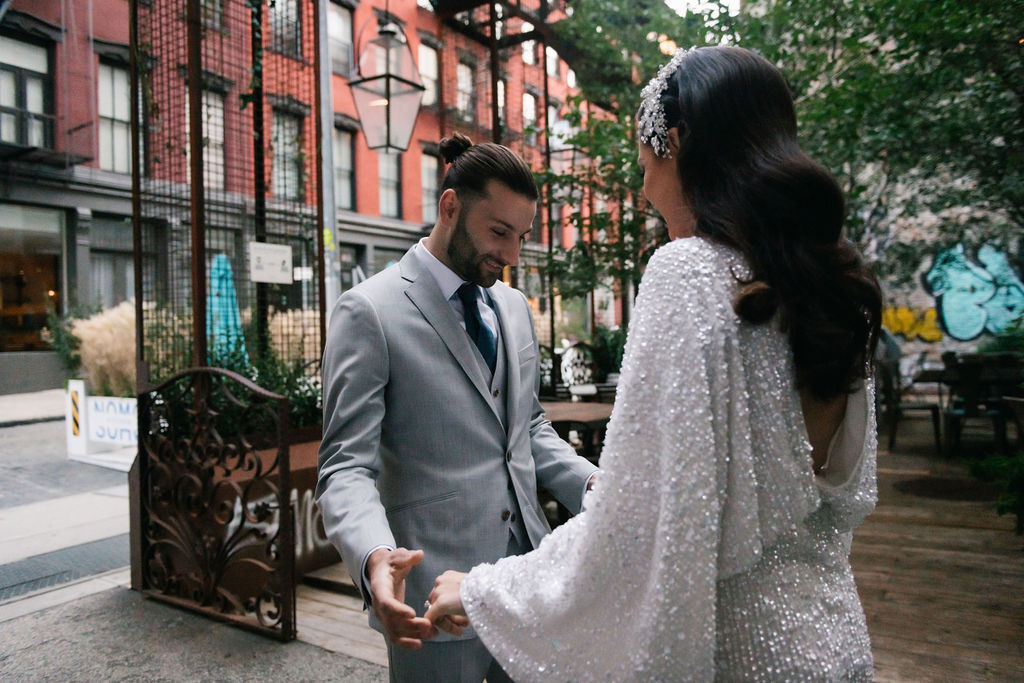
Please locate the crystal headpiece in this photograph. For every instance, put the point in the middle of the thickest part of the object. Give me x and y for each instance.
(651, 126)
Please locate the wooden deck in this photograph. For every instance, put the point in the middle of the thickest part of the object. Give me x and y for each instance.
(941, 577)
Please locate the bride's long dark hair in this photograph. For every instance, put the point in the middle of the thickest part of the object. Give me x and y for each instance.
(751, 187)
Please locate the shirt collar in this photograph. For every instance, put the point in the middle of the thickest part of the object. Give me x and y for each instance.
(445, 277)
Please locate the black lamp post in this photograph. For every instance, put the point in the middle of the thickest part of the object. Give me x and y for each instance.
(388, 89)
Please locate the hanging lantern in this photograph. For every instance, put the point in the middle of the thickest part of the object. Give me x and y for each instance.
(388, 90)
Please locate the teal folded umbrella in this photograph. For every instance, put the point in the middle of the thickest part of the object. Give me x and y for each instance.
(223, 322)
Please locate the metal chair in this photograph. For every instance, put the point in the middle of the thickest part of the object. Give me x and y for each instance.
(889, 390)
(970, 399)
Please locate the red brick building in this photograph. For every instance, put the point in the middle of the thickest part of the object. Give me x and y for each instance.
(65, 159)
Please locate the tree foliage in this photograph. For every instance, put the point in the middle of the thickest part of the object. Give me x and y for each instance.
(595, 172)
(916, 106)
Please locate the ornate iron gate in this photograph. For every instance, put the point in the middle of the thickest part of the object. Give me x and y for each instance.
(215, 525)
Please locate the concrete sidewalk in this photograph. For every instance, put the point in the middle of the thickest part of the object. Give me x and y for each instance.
(95, 627)
(36, 406)
(118, 635)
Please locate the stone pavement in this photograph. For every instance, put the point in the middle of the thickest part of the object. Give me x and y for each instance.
(66, 612)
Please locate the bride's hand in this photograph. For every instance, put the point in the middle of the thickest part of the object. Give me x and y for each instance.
(444, 608)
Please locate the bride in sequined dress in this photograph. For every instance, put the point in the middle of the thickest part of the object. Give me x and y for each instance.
(741, 449)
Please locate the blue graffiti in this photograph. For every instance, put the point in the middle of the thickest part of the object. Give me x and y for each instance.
(986, 296)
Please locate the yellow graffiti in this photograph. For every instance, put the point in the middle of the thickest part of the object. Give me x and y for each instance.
(329, 240)
(909, 323)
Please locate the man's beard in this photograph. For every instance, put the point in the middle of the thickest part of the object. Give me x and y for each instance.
(464, 257)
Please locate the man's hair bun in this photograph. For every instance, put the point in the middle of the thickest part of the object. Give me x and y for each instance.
(454, 146)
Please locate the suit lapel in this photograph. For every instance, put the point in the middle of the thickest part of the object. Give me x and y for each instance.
(512, 379)
(424, 293)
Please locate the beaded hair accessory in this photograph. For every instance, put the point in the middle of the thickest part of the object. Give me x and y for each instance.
(651, 126)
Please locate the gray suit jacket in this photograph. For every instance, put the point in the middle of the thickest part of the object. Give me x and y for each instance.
(413, 451)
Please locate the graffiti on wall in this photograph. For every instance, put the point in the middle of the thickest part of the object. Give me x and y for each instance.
(913, 324)
(975, 296)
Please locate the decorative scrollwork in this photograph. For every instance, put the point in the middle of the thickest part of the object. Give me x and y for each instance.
(217, 527)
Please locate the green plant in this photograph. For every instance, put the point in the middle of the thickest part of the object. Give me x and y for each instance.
(62, 340)
(1007, 471)
(608, 343)
(296, 379)
(1010, 339)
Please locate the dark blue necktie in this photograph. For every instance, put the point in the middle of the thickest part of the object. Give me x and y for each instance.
(476, 327)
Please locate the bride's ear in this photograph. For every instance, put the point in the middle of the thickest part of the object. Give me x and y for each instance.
(674, 144)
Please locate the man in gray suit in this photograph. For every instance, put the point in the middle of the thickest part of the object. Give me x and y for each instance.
(434, 440)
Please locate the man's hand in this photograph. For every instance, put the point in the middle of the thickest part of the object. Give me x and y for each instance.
(388, 570)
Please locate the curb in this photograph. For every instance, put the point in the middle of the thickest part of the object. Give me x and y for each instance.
(30, 420)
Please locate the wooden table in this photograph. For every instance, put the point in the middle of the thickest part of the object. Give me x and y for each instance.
(589, 419)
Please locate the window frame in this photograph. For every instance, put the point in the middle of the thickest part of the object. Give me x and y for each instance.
(285, 19)
(397, 187)
(351, 179)
(341, 65)
(113, 121)
(280, 161)
(430, 82)
(530, 136)
(23, 116)
(468, 113)
(430, 188)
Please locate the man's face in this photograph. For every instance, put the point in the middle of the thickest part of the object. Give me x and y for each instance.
(489, 232)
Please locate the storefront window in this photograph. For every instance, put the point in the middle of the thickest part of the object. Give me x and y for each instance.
(30, 274)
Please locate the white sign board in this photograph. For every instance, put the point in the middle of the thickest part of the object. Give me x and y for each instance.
(270, 263)
(113, 420)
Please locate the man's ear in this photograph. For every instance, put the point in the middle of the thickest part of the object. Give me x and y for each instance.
(674, 144)
(448, 206)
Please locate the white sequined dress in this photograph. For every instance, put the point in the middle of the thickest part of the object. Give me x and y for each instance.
(709, 550)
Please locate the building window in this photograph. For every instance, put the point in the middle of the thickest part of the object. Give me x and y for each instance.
(30, 274)
(536, 228)
(390, 173)
(552, 62)
(529, 46)
(555, 223)
(344, 176)
(385, 258)
(501, 102)
(428, 73)
(429, 182)
(530, 118)
(285, 27)
(570, 78)
(287, 160)
(213, 141)
(213, 13)
(499, 25)
(464, 98)
(115, 119)
(113, 277)
(339, 38)
(25, 99)
(552, 119)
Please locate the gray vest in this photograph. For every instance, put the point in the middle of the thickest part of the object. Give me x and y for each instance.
(498, 383)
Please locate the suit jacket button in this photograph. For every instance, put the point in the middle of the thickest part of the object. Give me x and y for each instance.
(495, 393)
(508, 456)
(505, 514)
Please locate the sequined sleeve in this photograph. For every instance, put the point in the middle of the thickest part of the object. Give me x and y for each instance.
(697, 480)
